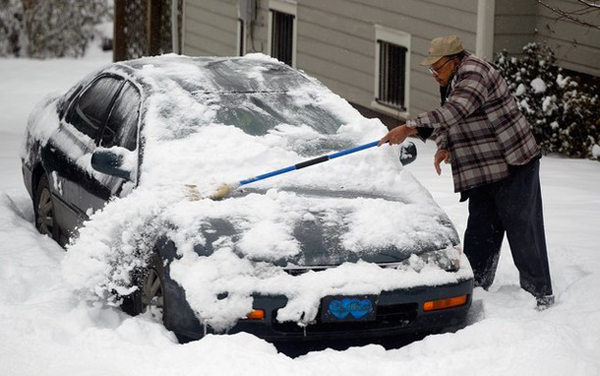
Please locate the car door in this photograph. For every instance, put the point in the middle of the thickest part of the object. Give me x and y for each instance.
(120, 129)
(67, 153)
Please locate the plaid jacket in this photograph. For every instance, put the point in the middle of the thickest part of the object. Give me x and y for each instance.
(480, 125)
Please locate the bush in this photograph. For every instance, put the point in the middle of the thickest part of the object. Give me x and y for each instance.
(564, 111)
(12, 36)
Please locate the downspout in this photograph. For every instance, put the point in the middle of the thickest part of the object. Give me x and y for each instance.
(484, 42)
(175, 26)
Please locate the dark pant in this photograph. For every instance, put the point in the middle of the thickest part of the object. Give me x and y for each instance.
(514, 206)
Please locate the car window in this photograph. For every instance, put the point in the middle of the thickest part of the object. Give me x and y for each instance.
(121, 126)
(90, 110)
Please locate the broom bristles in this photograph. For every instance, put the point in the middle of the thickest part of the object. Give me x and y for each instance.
(223, 191)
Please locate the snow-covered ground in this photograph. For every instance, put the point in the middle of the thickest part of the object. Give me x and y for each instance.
(45, 330)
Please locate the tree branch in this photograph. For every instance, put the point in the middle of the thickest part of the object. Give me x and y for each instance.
(590, 6)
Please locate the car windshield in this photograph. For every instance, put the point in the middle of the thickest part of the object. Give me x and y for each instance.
(257, 113)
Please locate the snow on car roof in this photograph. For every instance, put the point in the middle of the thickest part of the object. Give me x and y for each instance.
(251, 73)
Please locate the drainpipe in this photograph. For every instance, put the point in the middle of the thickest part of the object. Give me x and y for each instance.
(484, 42)
(175, 26)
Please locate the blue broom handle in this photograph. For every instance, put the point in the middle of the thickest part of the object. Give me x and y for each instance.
(310, 162)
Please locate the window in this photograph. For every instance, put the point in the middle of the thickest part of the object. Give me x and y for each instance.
(392, 79)
(91, 108)
(121, 126)
(282, 31)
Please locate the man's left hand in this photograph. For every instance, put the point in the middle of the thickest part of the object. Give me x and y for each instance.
(397, 135)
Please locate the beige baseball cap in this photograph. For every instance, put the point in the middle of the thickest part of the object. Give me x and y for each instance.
(442, 46)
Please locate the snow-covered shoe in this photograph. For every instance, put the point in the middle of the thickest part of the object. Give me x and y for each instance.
(544, 302)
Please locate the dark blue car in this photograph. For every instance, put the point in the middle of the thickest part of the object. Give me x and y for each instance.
(136, 126)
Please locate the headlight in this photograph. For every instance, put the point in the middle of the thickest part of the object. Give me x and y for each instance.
(447, 259)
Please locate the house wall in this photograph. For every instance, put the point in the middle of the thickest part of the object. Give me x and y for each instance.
(514, 25)
(210, 28)
(336, 39)
(519, 22)
(336, 42)
(577, 47)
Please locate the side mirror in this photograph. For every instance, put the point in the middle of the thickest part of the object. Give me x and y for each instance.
(113, 162)
(408, 152)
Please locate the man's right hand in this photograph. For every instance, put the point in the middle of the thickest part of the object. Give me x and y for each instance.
(440, 155)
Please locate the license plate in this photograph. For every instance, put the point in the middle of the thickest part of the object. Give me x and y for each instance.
(341, 308)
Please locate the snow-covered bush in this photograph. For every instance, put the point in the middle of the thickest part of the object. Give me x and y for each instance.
(12, 36)
(563, 111)
(49, 28)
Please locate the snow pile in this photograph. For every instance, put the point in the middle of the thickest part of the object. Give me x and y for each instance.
(538, 85)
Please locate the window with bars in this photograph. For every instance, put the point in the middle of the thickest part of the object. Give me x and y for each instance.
(392, 75)
(282, 36)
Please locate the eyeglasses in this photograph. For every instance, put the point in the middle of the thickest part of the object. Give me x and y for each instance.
(435, 72)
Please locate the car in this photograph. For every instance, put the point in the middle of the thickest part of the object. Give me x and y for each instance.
(118, 169)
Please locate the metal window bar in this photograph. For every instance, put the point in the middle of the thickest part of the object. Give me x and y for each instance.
(282, 36)
(392, 77)
(242, 37)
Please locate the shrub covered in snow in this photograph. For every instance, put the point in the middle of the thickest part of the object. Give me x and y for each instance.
(564, 111)
(12, 36)
(49, 28)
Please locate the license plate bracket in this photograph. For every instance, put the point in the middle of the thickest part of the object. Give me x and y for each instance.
(345, 308)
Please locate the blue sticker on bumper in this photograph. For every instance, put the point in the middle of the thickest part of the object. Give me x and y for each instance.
(349, 308)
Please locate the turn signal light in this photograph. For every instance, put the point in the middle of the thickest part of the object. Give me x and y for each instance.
(433, 305)
(256, 314)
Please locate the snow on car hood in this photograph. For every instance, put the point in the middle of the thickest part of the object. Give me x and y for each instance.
(178, 152)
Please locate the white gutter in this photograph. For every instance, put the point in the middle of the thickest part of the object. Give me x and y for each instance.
(484, 42)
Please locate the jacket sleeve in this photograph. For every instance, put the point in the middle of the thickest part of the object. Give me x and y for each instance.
(469, 94)
(441, 139)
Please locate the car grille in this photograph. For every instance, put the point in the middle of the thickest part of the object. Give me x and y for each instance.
(388, 316)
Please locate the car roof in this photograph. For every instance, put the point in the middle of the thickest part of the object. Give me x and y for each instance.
(251, 73)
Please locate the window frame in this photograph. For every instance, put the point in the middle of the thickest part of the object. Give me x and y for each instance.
(138, 119)
(290, 8)
(81, 91)
(401, 39)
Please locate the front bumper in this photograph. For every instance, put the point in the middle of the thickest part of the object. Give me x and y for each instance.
(398, 312)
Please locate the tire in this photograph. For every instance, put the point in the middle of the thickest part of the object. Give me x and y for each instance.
(45, 220)
(150, 292)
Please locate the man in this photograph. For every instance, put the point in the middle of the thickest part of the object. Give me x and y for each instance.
(495, 164)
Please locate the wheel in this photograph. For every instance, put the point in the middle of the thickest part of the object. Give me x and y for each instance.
(150, 294)
(44, 209)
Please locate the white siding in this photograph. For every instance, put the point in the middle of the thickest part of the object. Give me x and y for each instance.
(520, 22)
(577, 47)
(210, 28)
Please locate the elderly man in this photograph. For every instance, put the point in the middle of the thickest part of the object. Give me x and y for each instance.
(480, 130)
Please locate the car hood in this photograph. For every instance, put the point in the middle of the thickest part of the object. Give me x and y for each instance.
(329, 227)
